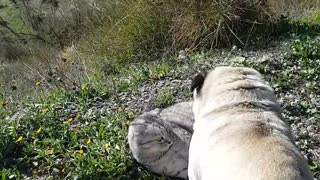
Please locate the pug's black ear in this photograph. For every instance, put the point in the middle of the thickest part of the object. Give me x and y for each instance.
(197, 82)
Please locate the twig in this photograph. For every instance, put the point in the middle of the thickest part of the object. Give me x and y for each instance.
(37, 73)
(249, 35)
(234, 34)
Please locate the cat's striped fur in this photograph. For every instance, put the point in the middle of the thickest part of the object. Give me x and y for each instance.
(160, 139)
(239, 133)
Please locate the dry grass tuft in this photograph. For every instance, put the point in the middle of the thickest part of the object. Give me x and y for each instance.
(144, 28)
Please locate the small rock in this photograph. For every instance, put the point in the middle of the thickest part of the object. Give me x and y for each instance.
(18, 115)
(238, 59)
(264, 58)
(35, 163)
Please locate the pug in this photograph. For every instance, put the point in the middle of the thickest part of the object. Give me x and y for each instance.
(239, 132)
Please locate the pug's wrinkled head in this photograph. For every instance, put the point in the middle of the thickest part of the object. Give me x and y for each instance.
(224, 83)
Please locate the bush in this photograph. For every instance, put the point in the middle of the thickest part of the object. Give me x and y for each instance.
(144, 28)
(57, 22)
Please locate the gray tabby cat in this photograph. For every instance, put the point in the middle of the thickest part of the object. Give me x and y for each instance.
(160, 139)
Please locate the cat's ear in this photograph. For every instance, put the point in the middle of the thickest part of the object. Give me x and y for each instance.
(197, 82)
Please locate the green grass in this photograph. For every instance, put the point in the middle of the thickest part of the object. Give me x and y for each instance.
(55, 140)
(315, 167)
(164, 99)
(306, 47)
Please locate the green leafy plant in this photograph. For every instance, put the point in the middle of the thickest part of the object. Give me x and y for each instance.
(159, 72)
(164, 99)
(306, 47)
(56, 139)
